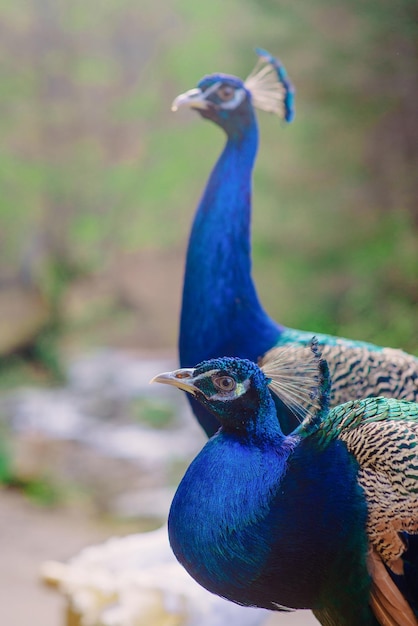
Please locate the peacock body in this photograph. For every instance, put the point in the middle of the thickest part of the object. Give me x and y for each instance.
(316, 519)
(221, 312)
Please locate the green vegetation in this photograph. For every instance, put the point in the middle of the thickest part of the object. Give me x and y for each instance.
(93, 164)
(40, 491)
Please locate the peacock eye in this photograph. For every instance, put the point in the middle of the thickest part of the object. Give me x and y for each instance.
(225, 92)
(224, 383)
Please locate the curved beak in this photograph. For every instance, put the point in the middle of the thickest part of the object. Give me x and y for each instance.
(182, 378)
(193, 99)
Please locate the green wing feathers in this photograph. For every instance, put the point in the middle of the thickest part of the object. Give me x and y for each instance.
(382, 434)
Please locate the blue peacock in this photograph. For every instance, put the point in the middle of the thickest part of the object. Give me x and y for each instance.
(221, 312)
(320, 518)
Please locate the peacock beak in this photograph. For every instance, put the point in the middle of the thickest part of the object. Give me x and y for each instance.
(182, 378)
(194, 99)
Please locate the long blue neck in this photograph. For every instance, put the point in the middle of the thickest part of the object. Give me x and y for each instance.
(221, 313)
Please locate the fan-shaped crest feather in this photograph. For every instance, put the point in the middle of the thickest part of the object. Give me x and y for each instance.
(296, 378)
(270, 88)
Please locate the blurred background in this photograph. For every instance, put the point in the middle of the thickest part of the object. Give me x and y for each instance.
(99, 182)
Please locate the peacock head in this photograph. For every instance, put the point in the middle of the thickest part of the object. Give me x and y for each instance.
(235, 390)
(229, 102)
(222, 99)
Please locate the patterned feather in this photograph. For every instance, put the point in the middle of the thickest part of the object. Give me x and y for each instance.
(382, 434)
(388, 372)
(356, 372)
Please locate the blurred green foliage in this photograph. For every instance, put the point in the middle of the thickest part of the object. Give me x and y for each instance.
(41, 491)
(5, 456)
(93, 163)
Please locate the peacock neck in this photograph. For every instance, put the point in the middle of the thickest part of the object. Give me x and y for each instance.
(221, 312)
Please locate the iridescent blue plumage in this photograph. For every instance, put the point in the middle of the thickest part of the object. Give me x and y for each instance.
(296, 521)
(221, 312)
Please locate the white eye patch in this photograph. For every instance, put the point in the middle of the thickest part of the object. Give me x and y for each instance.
(239, 96)
(227, 396)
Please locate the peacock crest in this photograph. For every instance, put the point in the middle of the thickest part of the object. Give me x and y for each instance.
(270, 87)
(300, 378)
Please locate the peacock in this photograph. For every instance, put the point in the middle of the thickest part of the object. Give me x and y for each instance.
(320, 518)
(221, 312)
